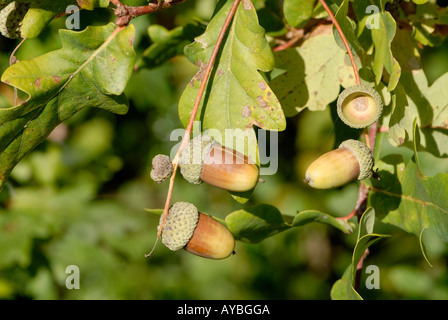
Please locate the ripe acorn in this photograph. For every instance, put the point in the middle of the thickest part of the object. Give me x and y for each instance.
(359, 106)
(198, 233)
(11, 18)
(205, 160)
(352, 160)
(162, 168)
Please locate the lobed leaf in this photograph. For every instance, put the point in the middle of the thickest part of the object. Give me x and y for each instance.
(91, 69)
(382, 38)
(313, 73)
(406, 198)
(414, 98)
(237, 96)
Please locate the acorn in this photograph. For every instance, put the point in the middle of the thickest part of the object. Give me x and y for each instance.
(162, 168)
(359, 106)
(352, 160)
(196, 232)
(11, 18)
(205, 160)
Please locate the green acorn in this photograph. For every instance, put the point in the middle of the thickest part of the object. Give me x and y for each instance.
(198, 233)
(359, 106)
(162, 168)
(352, 160)
(11, 19)
(205, 160)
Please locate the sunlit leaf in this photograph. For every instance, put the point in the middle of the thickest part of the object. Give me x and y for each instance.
(237, 96)
(91, 70)
(314, 73)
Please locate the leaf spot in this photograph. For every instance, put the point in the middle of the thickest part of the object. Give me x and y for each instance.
(262, 85)
(263, 103)
(255, 122)
(37, 82)
(247, 4)
(200, 74)
(56, 79)
(246, 112)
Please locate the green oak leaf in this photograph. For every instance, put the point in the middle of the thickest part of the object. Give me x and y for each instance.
(414, 98)
(344, 288)
(313, 73)
(91, 69)
(348, 27)
(298, 12)
(237, 97)
(40, 14)
(375, 32)
(262, 221)
(408, 199)
(167, 43)
(383, 59)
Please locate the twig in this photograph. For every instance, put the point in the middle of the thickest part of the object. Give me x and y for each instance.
(126, 13)
(360, 206)
(358, 272)
(296, 36)
(344, 40)
(189, 127)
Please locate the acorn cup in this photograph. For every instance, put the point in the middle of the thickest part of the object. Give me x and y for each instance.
(205, 160)
(352, 160)
(359, 106)
(162, 168)
(198, 233)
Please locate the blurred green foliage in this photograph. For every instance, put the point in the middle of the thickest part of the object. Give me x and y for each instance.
(79, 199)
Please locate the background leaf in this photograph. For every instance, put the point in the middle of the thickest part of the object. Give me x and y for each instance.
(298, 12)
(167, 43)
(312, 77)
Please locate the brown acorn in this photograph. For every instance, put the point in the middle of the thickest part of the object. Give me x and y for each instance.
(198, 233)
(205, 160)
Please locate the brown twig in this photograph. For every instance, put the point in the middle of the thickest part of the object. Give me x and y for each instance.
(344, 40)
(358, 272)
(189, 127)
(126, 13)
(297, 34)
